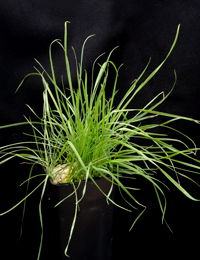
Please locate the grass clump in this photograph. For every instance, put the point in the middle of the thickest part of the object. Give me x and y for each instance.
(82, 136)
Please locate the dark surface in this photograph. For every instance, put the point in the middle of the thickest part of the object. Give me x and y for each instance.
(142, 29)
(93, 233)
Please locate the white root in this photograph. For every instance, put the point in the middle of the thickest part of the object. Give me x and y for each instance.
(61, 173)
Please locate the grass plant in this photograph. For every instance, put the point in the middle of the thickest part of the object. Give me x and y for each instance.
(82, 135)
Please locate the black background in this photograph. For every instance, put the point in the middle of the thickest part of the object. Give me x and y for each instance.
(142, 29)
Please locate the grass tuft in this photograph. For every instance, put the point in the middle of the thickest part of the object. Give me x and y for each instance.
(82, 136)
